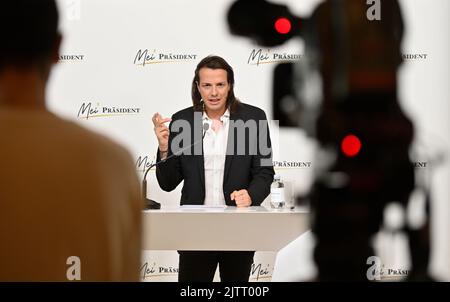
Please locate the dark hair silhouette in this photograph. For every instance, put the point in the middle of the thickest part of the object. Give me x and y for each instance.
(28, 32)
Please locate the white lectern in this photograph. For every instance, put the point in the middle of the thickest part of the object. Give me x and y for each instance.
(227, 228)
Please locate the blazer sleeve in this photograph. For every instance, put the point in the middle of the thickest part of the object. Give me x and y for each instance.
(169, 173)
(262, 171)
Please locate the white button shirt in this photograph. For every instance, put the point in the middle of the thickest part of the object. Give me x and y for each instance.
(214, 150)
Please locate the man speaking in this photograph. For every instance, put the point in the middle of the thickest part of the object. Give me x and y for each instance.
(220, 165)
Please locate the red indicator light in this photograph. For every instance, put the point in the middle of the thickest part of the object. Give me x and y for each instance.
(351, 145)
(283, 25)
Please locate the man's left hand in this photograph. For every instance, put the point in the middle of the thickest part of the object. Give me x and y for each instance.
(242, 198)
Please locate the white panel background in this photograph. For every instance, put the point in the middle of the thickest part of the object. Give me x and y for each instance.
(110, 32)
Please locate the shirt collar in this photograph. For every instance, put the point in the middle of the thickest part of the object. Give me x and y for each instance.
(225, 116)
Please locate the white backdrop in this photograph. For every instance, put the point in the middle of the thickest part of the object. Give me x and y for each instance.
(103, 37)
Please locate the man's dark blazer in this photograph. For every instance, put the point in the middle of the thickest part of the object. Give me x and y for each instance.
(241, 171)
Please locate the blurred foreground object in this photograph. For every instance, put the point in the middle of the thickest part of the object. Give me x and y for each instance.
(346, 87)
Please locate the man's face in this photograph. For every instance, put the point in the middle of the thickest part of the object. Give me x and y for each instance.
(214, 87)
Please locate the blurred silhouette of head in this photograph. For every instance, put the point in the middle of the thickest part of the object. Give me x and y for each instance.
(29, 34)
